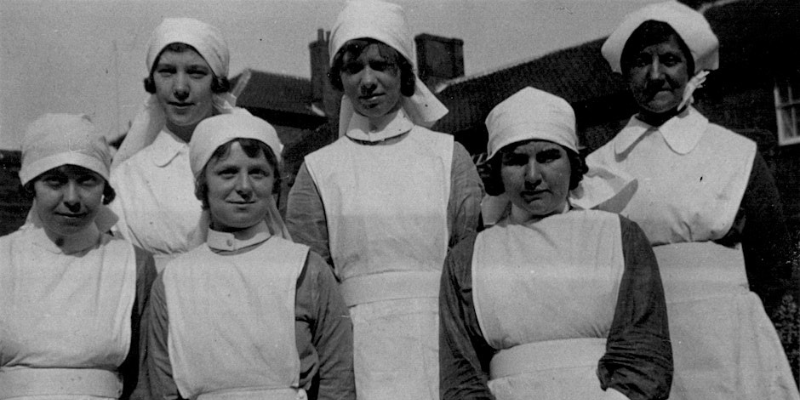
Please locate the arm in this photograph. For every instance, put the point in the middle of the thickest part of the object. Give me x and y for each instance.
(132, 369)
(305, 215)
(466, 192)
(638, 359)
(324, 334)
(157, 364)
(464, 354)
(765, 240)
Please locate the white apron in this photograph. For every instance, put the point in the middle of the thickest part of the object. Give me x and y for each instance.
(231, 322)
(724, 345)
(386, 209)
(545, 296)
(65, 320)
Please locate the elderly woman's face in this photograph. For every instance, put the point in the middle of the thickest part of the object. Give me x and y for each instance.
(657, 76)
(68, 199)
(183, 87)
(536, 177)
(371, 82)
(239, 189)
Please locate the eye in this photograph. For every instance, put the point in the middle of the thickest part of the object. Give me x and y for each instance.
(381, 66)
(671, 60)
(89, 180)
(165, 70)
(54, 180)
(197, 72)
(548, 156)
(260, 173)
(514, 159)
(352, 68)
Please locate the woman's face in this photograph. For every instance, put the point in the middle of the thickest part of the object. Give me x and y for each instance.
(239, 189)
(371, 82)
(68, 199)
(657, 76)
(183, 88)
(536, 177)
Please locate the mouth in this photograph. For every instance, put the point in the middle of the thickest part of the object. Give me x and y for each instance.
(70, 216)
(374, 97)
(181, 106)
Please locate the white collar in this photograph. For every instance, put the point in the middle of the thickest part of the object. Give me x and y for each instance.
(225, 241)
(166, 147)
(389, 126)
(79, 242)
(681, 132)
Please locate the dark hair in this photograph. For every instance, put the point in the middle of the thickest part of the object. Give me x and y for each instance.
(493, 181)
(356, 46)
(29, 193)
(219, 84)
(252, 148)
(647, 34)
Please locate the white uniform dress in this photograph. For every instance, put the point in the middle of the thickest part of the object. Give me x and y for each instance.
(691, 179)
(386, 210)
(245, 346)
(65, 319)
(155, 201)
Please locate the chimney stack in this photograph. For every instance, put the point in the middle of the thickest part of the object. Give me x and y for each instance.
(439, 58)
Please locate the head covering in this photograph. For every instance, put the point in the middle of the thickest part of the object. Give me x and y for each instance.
(206, 39)
(54, 140)
(531, 114)
(208, 42)
(689, 24)
(386, 23)
(213, 132)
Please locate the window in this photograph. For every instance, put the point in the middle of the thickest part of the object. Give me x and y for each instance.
(787, 108)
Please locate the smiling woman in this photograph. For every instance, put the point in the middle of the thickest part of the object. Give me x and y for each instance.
(71, 294)
(187, 66)
(277, 327)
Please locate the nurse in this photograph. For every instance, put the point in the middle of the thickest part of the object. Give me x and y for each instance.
(385, 202)
(71, 294)
(187, 65)
(708, 205)
(248, 314)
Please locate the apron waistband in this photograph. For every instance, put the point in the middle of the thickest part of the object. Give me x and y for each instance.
(256, 394)
(59, 381)
(390, 286)
(551, 354)
(700, 270)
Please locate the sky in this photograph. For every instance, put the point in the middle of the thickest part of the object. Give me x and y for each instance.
(88, 56)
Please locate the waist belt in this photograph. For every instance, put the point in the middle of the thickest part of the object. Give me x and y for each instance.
(551, 354)
(390, 286)
(255, 394)
(59, 381)
(700, 270)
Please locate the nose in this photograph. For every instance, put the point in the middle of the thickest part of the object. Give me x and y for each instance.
(181, 86)
(369, 80)
(70, 197)
(533, 174)
(243, 185)
(656, 69)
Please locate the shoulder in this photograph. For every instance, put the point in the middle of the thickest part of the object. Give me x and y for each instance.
(721, 134)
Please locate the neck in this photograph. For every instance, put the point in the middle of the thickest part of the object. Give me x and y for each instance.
(245, 233)
(76, 242)
(520, 216)
(657, 119)
(182, 132)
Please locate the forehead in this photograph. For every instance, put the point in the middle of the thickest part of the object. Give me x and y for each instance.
(533, 146)
(236, 155)
(365, 51)
(669, 45)
(70, 170)
(187, 56)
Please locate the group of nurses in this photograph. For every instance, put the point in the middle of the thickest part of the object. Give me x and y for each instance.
(344, 298)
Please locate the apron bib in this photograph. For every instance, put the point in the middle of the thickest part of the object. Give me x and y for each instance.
(66, 320)
(566, 270)
(245, 346)
(386, 209)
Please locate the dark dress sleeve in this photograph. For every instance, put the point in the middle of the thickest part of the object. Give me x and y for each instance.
(305, 216)
(767, 247)
(464, 354)
(638, 359)
(466, 192)
(159, 369)
(132, 370)
(324, 334)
